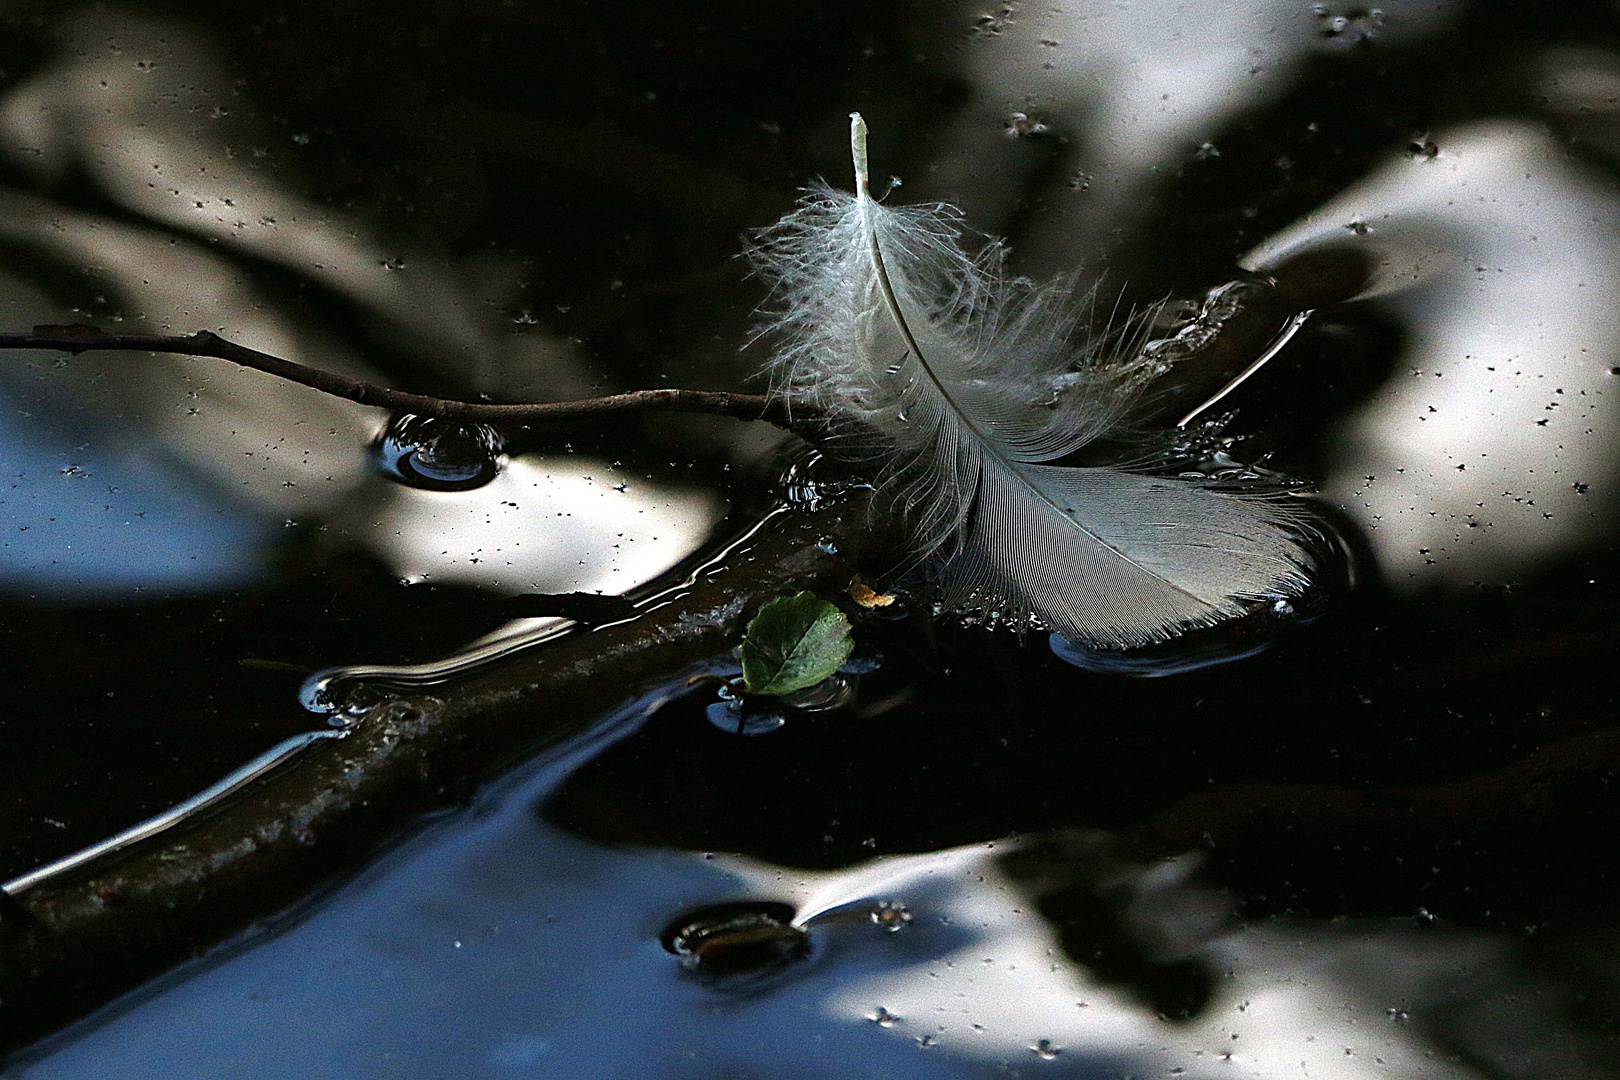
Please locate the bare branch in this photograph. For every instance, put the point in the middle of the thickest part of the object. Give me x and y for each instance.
(78, 339)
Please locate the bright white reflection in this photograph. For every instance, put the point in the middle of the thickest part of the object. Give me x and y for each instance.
(273, 445)
(140, 109)
(1489, 450)
(545, 524)
(492, 944)
(184, 470)
(145, 110)
(1290, 999)
(1137, 88)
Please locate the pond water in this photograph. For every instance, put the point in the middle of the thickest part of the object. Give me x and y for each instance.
(1368, 833)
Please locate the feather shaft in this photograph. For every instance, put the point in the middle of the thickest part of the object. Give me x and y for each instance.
(985, 395)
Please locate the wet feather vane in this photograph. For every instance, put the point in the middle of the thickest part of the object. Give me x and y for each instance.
(963, 382)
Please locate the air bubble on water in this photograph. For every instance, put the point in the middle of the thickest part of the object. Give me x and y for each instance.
(344, 702)
(1046, 1050)
(1352, 26)
(438, 454)
(734, 941)
(892, 915)
(992, 24)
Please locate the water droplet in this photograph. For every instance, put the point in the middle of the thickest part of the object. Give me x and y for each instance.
(440, 455)
(1046, 1050)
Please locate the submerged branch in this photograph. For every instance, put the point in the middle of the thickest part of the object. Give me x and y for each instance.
(78, 339)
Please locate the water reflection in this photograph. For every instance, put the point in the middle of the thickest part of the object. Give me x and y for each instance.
(87, 516)
(494, 944)
(1489, 453)
(140, 110)
(167, 520)
(1485, 456)
(500, 943)
(568, 523)
(1134, 89)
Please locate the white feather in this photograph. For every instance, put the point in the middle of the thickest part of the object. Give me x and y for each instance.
(963, 381)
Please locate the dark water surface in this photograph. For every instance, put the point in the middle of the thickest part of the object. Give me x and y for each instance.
(1379, 840)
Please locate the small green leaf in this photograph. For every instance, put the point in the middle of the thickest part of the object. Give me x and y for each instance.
(794, 642)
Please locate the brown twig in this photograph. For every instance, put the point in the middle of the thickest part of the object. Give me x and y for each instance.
(78, 339)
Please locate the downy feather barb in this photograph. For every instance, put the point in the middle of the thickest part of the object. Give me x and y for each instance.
(963, 382)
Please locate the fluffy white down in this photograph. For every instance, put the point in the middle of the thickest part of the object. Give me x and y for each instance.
(962, 382)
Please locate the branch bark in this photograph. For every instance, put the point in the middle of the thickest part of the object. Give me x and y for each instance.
(71, 942)
(80, 339)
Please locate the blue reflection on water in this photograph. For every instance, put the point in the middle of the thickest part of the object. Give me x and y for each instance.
(492, 944)
(90, 519)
